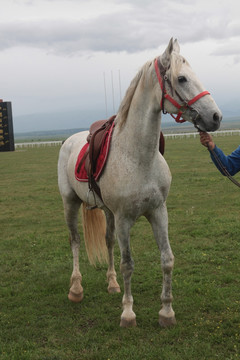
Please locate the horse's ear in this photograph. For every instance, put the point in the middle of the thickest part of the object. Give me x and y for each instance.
(165, 58)
(176, 46)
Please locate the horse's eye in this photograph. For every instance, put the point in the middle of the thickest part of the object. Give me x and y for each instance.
(182, 79)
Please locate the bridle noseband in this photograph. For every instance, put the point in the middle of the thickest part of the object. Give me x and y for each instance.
(162, 79)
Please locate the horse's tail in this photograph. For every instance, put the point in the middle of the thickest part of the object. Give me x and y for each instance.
(94, 230)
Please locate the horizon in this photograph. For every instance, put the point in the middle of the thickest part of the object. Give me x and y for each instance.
(168, 124)
(27, 123)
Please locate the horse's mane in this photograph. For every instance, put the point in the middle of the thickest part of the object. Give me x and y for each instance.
(126, 102)
(176, 62)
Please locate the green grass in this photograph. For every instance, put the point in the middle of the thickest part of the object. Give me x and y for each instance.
(38, 321)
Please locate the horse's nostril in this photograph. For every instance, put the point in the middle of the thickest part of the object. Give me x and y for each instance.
(216, 117)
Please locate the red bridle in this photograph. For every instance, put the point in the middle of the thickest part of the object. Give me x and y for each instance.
(162, 77)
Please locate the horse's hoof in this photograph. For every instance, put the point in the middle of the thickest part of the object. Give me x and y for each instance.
(76, 298)
(167, 321)
(128, 323)
(114, 290)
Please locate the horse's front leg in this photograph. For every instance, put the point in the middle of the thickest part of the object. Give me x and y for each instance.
(159, 222)
(128, 317)
(113, 286)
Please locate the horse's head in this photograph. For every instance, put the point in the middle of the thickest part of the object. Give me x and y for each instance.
(183, 93)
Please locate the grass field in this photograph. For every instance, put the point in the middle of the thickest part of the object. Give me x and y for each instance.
(38, 322)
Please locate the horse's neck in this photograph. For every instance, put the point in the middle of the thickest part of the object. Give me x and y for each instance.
(140, 134)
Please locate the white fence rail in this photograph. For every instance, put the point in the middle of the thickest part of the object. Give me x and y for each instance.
(173, 136)
(196, 134)
(37, 144)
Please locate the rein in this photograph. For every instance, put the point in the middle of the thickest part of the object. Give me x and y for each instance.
(162, 79)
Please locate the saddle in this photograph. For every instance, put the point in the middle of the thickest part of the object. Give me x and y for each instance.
(96, 137)
(97, 134)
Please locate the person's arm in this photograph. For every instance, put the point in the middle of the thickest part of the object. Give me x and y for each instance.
(230, 162)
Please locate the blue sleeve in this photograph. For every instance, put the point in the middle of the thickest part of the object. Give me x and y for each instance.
(230, 162)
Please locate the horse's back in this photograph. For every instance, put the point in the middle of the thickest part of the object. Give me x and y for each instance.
(75, 140)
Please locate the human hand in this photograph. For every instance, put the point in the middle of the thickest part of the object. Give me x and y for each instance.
(207, 140)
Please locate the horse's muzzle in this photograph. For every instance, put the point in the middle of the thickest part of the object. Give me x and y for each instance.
(208, 124)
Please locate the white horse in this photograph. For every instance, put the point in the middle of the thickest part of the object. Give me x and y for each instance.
(136, 178)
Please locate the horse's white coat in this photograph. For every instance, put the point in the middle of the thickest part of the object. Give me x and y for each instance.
(136, 179)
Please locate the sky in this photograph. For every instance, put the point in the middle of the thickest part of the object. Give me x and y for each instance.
(67, 63)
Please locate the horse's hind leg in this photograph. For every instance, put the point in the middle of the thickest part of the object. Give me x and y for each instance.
(113, 286)
(159, 222)
(71, 208)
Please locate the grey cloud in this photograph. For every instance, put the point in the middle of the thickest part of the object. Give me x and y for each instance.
(145, 25)
(231, 48)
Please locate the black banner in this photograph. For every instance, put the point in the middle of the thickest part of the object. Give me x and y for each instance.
(6, 127)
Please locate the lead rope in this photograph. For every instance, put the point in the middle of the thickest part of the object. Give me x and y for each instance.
(224, 170)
